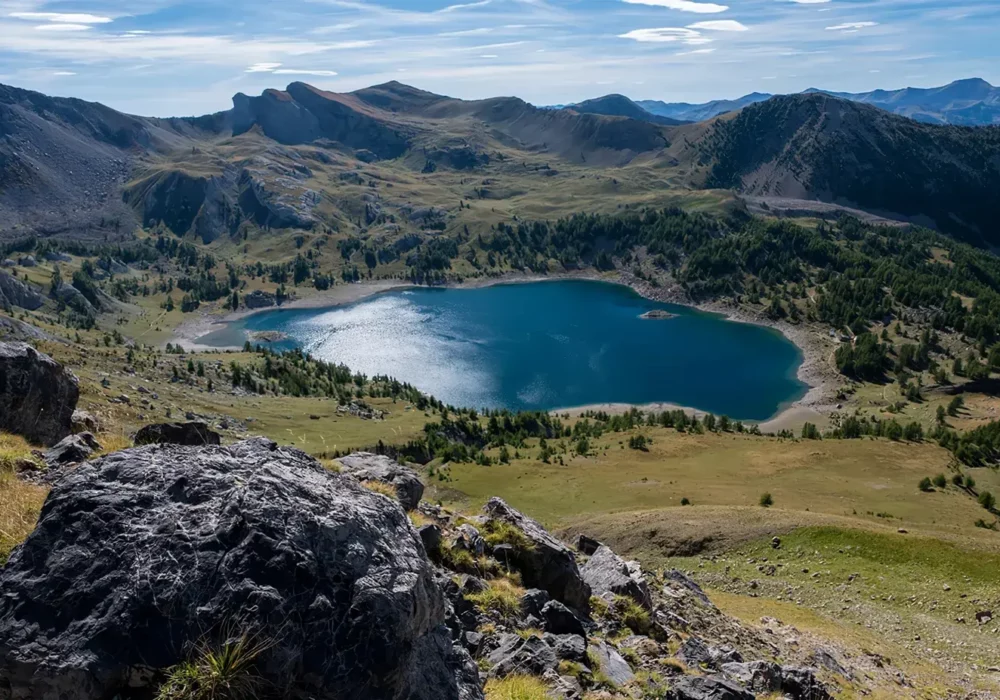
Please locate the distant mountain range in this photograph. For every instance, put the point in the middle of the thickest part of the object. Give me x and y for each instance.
(971, 102)
(304, 158)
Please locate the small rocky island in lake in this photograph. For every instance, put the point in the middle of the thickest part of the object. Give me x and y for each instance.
(658, 314)
(267, 336)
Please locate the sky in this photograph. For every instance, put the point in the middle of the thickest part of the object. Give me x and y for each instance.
(188, 57)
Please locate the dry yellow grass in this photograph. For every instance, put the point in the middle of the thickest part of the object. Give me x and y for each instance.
(112, 442)
(20, 502)
(382, 488)
(516, 688)
(869, 481)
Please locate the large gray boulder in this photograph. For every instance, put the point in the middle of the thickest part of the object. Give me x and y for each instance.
(547, 563)
(37, 396)
(18, 293)
(365, 466)
(192, 433)
(605, 572)
(142, 555)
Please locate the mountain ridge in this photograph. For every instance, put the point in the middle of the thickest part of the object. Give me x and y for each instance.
(966, 102)
(283, 159)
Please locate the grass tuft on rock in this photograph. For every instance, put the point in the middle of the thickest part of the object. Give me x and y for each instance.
(382, 488)
(516, 688)
(502, 598)
(227, 672)
(500, 532)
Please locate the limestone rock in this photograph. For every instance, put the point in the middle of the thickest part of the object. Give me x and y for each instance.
(606, 572)
(365, 466)
(558, 619)
(141, 554)
(758, 676)
(571, 647)
(84, 422)
(37, 396)
(548, 564)
(71, 449)
(516, 655)
(704, 688)
(192, 433)
(612, 664)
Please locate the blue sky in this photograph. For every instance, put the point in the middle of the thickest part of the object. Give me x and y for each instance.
(181, 57)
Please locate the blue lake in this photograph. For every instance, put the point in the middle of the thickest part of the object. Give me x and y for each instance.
(546, 345)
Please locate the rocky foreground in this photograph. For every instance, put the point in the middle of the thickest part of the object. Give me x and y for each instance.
(143, 557)
(182, 569)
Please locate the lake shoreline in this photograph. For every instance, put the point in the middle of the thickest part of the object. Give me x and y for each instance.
(815, 371)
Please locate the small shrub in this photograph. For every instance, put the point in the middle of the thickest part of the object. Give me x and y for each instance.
(925, 484)
(382, 488)
(987, 500)
(516, 688)
(985, 525)
(940, 481)
(502, 598)
(685, 501)
(766, 501)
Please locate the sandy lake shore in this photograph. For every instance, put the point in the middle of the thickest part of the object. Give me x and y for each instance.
(815, 343)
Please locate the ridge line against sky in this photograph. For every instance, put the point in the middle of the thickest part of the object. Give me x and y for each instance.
(187, 57)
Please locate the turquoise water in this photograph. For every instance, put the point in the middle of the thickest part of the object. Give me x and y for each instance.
(546, 345)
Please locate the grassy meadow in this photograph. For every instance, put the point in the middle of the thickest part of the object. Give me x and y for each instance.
(868, 563)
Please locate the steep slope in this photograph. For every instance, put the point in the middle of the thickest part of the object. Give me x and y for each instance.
(687, 112)
(820, 147)
(62, 163)
(304, 114)
(621, 106)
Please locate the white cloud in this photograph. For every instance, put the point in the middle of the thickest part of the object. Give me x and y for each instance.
(693, 52)
(299, 71)
(62, 17)
(851, 26)
(720, 25)
(263, 68)
(63, 27)
(811, 2)
(63, 73)
(489, 55)
(708, 8)
(455, 8)
(666, 35)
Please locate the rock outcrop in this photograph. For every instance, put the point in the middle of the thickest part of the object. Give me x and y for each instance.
(547, 563)
(365, 466)
(14, 292)
(607, 573)
(193, 434)
(145, 554)
(37, 395)
(72, 449)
